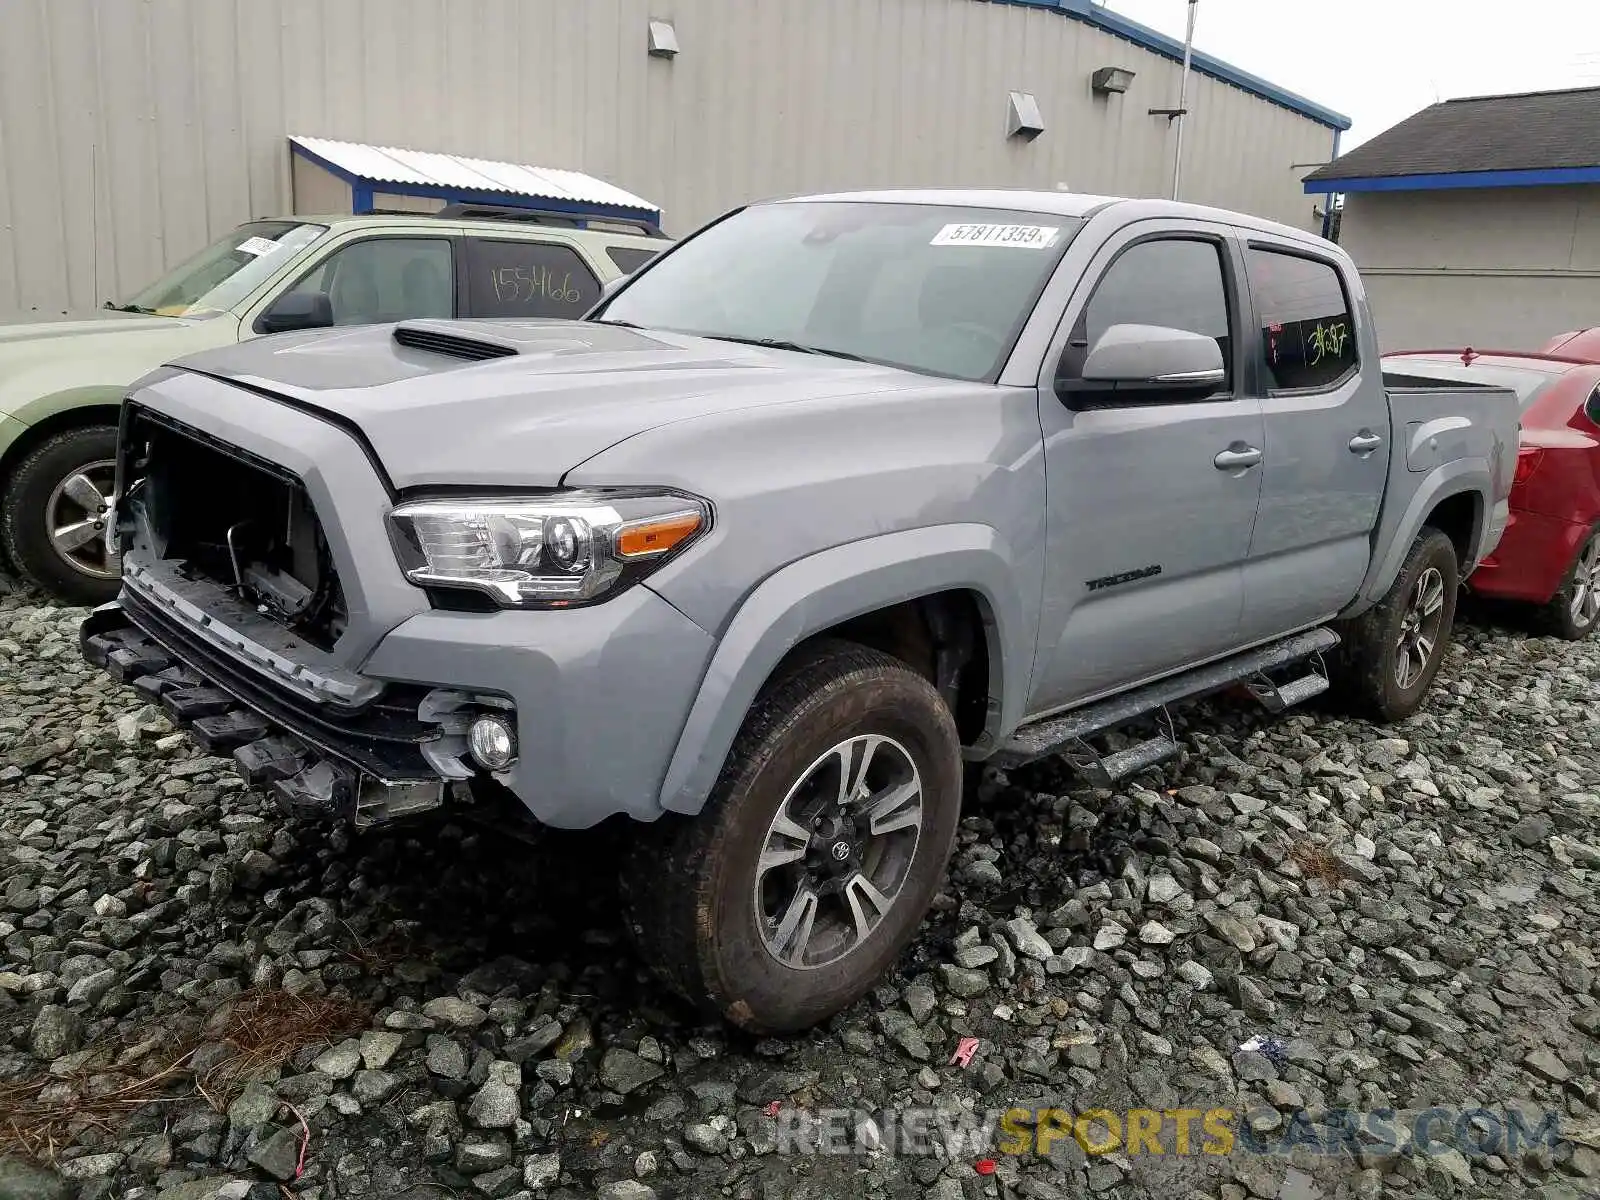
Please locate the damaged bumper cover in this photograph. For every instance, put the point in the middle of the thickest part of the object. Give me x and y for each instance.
(365, 766)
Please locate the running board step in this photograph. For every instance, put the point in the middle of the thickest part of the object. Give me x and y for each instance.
(1275, 697)
(1105, 771)
(1065, 733)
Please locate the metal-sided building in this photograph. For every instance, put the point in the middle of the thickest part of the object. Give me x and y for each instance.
(1476, 222)
(132, 133)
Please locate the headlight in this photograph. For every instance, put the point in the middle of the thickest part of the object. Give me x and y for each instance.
(546, 551)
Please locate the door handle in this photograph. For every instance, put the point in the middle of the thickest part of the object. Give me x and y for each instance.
(1237, 457)
(1365, 443)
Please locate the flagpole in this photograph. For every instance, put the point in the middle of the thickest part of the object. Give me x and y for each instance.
(1183, 101)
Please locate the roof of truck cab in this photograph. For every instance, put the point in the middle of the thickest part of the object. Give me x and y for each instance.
(1077, 205)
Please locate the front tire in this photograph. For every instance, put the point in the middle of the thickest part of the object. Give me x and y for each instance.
(1391, 652)
(1574, 610)
(52, 516)
(818, 853)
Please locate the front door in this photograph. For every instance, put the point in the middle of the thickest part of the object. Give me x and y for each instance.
(1327, 447)
(1151, 497)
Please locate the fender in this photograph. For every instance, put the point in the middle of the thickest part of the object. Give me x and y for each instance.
(834, 585)
(39, 408)
(1397, 532)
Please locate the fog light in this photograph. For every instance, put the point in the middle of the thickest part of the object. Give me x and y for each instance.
(493, 744)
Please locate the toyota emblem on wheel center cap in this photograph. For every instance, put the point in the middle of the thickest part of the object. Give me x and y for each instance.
(840, 851)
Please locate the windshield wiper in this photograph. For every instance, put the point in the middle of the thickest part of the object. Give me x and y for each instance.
(784, 344)
(130, 308)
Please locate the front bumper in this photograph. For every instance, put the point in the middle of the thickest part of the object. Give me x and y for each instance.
(364, 768)
(600, 695)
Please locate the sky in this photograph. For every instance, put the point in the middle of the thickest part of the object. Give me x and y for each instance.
(1379, 61)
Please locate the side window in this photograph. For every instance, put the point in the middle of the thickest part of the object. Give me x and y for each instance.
(527, 279)
(386, 279)
(1172, 282)
(1308, 339)
(629, 258)
(1591, 406)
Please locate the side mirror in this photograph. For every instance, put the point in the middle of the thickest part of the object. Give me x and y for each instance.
(297, 310)
(1154, 358)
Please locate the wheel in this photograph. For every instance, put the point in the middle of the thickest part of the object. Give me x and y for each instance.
(1572, 612)
(52, 516)
(1390, 654)
(818, 852)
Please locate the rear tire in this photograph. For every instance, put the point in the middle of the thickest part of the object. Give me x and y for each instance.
(749, 909)
(1574, 610)
(1390, 653)
(34, 502)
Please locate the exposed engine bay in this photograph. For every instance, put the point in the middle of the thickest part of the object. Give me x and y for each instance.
(218, 512)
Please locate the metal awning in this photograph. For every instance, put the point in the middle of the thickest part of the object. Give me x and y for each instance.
(456, 179)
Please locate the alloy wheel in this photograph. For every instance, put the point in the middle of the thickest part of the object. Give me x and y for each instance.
(1419, 628)
(838, 851)
(1585, 602)
(76, 515)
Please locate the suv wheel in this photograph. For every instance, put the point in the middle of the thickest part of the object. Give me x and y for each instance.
(816, 857)
(1391, 652)
(53, 513)
(1573, 611)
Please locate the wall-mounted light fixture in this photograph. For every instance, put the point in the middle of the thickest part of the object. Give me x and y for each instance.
(1111, 79)
(1023, 119)
(663, 39)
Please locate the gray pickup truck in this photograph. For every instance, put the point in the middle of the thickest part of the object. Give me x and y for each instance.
(834, 494)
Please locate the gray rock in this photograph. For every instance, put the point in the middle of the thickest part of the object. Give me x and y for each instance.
(212, 1187)
(1545, 1064)
(478, 1158)
(496, 1106)
(1532, 830)
(541, 1171)
(705, 1138)
(497, 1184)
(972, 957)
(89, 990)
(963, 982)
(56, 1032)
(624, 1071)
(446, 1058)
(454, 1013)
(1154, 933)
(279, 1154)
(23, 1181)
(341, 1061)
(254, 1108)
(626, 1189)
(1109, 937)
(1025, 936)
(378, 1046)
(89, 1166)
(374, 1087)
(920, 1001)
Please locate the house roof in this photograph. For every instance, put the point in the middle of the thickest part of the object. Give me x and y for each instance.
(1091, 12)
(1526, 140)
(457, 177)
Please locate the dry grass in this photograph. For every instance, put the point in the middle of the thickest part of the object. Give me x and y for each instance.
(260, 1030)
(1317, 862)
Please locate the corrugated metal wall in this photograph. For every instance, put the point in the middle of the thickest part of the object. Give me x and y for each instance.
(132, 131)
(1485, 267)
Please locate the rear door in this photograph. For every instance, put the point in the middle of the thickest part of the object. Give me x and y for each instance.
(1147, 529)
(527, 277)
(1327, 440)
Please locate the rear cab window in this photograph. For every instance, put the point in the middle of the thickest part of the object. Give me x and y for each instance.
(524, 278)
(1308, 335)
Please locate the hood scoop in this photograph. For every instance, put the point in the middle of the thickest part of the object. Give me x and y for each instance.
(438, 338)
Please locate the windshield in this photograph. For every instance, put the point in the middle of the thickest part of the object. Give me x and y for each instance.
(933, 288)
(226, 271)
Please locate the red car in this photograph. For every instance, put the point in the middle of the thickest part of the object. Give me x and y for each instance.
(1580, 343)
(1550, 554)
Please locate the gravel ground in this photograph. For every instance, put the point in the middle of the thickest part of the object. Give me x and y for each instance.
(1401, 918)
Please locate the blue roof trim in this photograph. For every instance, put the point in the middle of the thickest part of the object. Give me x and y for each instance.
(1536, 177)
(363, 192)
(1160, 43)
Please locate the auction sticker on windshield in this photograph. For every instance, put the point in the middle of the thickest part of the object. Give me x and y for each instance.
(256, 245)
(1024, 237)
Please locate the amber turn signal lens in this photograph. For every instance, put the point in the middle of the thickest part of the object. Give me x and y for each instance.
(658, 536)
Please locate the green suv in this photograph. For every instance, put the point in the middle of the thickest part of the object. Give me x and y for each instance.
(61, 382)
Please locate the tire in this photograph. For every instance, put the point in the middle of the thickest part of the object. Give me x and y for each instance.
(690, 884)
(25, 515)
(1574, 610)
(1366, 668)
